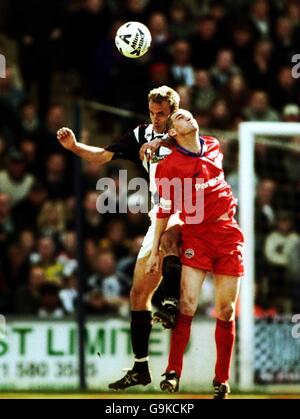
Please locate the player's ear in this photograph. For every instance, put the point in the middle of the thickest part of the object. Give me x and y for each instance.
(172, 132)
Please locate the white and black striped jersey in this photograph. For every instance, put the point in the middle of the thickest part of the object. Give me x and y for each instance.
(128, 148)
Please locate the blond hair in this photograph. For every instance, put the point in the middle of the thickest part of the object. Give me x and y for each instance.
(52, 217)
(165, 93)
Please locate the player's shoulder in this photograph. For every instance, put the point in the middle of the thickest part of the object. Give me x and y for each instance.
(211, 143)
(142, 133)
(209, 139)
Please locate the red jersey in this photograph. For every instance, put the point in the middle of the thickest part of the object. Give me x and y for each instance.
(200, 191)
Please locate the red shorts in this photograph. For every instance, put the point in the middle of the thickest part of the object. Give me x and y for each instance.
(214, 247)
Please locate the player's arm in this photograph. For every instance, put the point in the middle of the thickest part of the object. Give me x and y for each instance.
(93, 154)
(149, 149)
(153, 262)
(165, 210)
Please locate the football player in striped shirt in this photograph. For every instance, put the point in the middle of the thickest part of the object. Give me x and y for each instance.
(162, 102)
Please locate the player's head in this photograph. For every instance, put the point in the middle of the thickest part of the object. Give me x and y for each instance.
(181, 123)
(162, 102)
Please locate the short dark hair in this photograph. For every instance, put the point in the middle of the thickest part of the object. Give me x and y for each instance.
(169, 123)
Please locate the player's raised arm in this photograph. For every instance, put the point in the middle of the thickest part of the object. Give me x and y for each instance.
(93, 154)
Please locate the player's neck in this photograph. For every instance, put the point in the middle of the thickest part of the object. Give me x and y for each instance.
(190, 142)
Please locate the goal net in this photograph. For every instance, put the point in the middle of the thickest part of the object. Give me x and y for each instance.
(269, 213)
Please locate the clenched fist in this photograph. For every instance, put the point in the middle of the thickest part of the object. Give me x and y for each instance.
(67, 138)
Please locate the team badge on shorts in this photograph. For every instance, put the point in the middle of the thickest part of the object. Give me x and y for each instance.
(189, 253)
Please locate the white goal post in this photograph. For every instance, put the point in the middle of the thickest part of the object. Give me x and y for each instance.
(247, 133)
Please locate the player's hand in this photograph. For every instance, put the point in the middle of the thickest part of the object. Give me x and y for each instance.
(152, 265)
(67, 138)
(148, 150)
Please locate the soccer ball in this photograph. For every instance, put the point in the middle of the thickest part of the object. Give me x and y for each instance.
(133, 39)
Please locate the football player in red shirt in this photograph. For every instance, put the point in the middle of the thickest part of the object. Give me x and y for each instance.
(212, 241)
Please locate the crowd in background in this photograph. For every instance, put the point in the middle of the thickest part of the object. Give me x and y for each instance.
(231, 61)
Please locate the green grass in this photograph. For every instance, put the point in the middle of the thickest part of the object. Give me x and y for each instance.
(110, 396)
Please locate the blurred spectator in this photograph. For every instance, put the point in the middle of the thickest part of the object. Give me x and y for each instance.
(50, 305)
(242, 44)
(27, 298)
(55, 119)
(68, 255)
(181, 68)
(203, 93)
(92, 224)
(265, 213)
(29, 150)
(29, 123)
(158, 5)
(104, 74)
(91, 174)
(7, 226)
(136, 223)
(109, 290)
(205, 43)
(279, 245)
(68, 241)
(185, 96)
(11, 92)
(181, 24)
(203, 119)
(286, 89)
(52, 218)
(224, 68)
(47, 259)
(293, 13)
(260, 18)
(220, 13)
(90, 253)
(220, 115)
(134, 11)
(291, 113)
(268, 162)
(27, 241)
(265, 208)
(284, 39)
(158, 26)
(260, 74)
(116, 234)
(92, 40)
(68, 294)
(15, 181)
(259, 108)
(15, 269)
(32, 205)
(56, 181)
(159, 75)
(126, 265)
(236, 93)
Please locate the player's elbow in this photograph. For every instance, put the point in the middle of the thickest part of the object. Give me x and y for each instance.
(102, 158)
